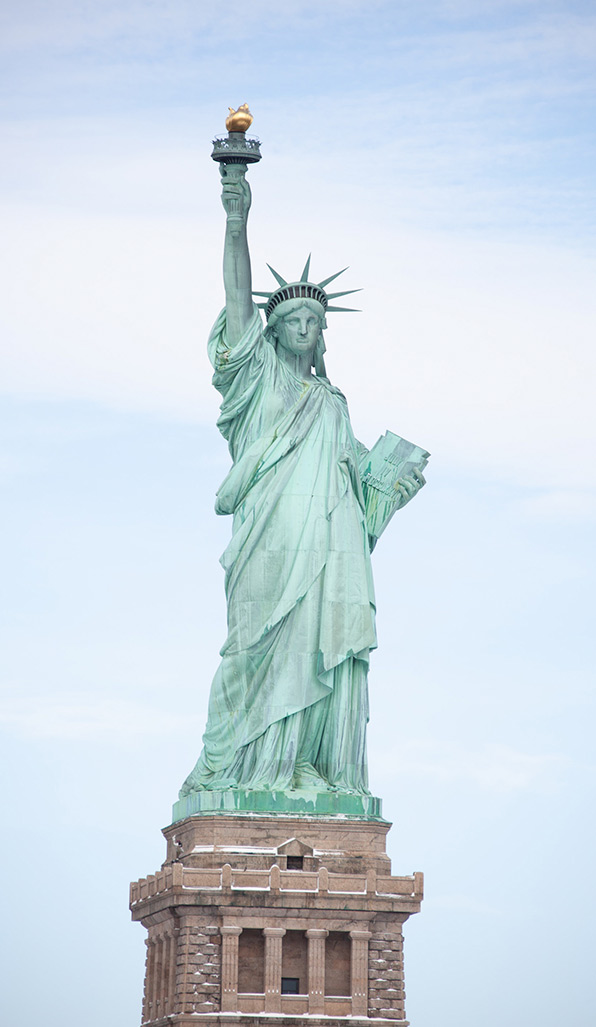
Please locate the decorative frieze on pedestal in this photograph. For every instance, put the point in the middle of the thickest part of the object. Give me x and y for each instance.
(274, 915)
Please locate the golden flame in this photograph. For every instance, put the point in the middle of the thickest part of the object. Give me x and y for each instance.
(240, 120)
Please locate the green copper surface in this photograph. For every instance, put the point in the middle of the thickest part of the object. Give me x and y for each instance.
(288, 708)
(235, 800)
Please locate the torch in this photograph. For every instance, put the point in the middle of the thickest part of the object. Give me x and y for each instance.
(234, 153)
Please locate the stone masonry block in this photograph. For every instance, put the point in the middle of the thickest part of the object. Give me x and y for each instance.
(388, 997)
(381, 944)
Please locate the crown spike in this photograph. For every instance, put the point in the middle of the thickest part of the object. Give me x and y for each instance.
(255, 293)
(304, 275)
(322, 284)
(351, 310)
(280, 280)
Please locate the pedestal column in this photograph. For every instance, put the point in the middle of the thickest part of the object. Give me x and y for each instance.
(172, 970)
(147, 998)
(273, 943)
(229, 969)
(165, 973)
(359, 972)
(157, 977)
(316, 970)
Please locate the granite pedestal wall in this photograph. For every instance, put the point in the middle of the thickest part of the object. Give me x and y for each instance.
(253, 916)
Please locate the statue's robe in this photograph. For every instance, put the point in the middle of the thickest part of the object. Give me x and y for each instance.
(289, 702)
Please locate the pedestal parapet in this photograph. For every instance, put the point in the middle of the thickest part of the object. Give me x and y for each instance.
(284, 916)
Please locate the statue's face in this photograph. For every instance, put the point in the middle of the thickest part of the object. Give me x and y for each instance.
(298, 332)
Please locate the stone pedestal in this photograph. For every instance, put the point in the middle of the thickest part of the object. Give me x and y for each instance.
(259, 915)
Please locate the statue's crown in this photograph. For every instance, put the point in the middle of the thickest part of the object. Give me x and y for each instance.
(303, 289)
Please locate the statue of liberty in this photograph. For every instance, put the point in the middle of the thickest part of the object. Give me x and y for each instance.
(288, 707)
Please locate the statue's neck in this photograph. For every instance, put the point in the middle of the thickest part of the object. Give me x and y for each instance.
(300, 364)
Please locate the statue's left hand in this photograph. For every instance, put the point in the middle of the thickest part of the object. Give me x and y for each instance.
(410, 485)
(235, 196)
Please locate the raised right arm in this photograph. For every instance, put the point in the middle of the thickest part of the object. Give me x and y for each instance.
(236, 265)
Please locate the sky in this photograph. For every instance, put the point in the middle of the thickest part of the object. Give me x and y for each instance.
(444, 150)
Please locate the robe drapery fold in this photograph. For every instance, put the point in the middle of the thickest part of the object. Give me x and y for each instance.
(289, 702)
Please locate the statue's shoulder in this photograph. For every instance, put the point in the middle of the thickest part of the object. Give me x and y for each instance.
(225, 354)
(333, 389)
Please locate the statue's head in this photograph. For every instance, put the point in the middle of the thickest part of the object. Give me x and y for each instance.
(284, 304)
(296, 326)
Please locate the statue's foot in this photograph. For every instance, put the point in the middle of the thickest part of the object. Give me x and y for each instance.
(307, 779)
(206, 783)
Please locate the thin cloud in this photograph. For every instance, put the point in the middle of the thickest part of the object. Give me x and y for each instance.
(493, 768)
(559, 506)
(66, 718)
